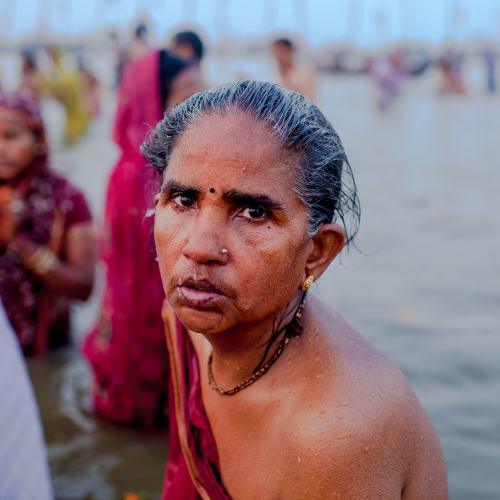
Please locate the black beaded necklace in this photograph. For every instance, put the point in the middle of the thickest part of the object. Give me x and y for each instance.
(294, 327)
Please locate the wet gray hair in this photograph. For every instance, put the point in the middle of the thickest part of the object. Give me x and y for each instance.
(324, 179)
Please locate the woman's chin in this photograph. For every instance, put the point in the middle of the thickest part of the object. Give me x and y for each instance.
(200, 321)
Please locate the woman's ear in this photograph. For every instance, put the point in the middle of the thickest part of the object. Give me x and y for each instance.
(328, 242)
(39, 148)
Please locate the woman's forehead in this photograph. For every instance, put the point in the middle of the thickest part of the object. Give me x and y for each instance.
(227, 154)
(234, 145)
(12, 117)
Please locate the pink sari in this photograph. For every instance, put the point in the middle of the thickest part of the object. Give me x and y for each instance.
(193, 469)
(126, 348)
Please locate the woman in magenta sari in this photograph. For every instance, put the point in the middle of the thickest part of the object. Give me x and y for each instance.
(126, 349)
(46, 237)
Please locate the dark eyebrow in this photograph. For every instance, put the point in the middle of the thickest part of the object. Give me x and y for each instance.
(240, 198)
(175, 187)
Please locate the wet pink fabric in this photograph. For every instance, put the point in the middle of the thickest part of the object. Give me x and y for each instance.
(126, 349)
(178, 483)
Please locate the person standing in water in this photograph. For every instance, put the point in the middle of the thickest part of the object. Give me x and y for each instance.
(490, 58)
(274, 394)
(140, 44)
(67, 86)
(46, 237)
(30, 75)
(294, 76)
(187, 45)
(125, 349)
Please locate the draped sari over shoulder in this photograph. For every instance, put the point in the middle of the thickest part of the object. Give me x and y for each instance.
(126, 348)
(193, 470)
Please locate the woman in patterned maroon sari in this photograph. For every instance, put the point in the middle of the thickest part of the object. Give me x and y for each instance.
(46, 240)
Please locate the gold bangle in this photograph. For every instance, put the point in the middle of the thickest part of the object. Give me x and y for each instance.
(42, 261)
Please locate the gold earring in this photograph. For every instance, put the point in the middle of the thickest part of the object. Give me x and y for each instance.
(307, 283)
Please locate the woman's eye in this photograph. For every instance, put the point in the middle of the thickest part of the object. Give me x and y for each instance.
(10, 135)
(184, 200)
(254, 213)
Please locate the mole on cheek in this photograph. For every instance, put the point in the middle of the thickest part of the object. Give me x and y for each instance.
(212, 190)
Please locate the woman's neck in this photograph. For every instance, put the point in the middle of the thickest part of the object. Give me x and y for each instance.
(237, 353)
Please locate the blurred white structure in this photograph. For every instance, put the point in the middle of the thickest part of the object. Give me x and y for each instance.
(24, 473)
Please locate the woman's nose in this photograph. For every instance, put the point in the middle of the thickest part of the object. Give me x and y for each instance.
(205, 242)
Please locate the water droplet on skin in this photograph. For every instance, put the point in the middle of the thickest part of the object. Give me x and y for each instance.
(338, 415)
(299, 460)
(316, 359)
(344, 403)
(289, 362)
(322, 414)
(319, 375)
(367, 447)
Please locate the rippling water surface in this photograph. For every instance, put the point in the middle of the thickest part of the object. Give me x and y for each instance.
(425, 290)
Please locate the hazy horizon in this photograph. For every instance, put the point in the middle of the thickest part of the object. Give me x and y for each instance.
(366, 22)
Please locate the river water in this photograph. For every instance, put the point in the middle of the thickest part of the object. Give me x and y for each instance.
(425, 287)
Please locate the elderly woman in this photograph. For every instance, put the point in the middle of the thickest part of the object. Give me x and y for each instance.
(273, 396)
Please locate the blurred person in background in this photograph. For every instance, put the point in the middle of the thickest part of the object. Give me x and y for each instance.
(490, 58)
(388, 73)
(140, 43)
(67, 86)
(24, 472)
(450, 65)
(187, 45)
(126, 348)
(46, 238)
(30, 75)
(294, 76)
(121, 58)
(92, 89)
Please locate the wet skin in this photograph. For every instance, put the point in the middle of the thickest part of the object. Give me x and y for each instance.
(332, 418)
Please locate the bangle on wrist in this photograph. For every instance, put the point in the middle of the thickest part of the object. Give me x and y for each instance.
(42, 261)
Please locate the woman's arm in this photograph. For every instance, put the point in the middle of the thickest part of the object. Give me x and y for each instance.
(73, 277)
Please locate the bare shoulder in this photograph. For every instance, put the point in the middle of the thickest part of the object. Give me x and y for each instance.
(359, 431)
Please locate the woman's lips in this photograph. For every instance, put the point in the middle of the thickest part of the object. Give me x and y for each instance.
(199, 299)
